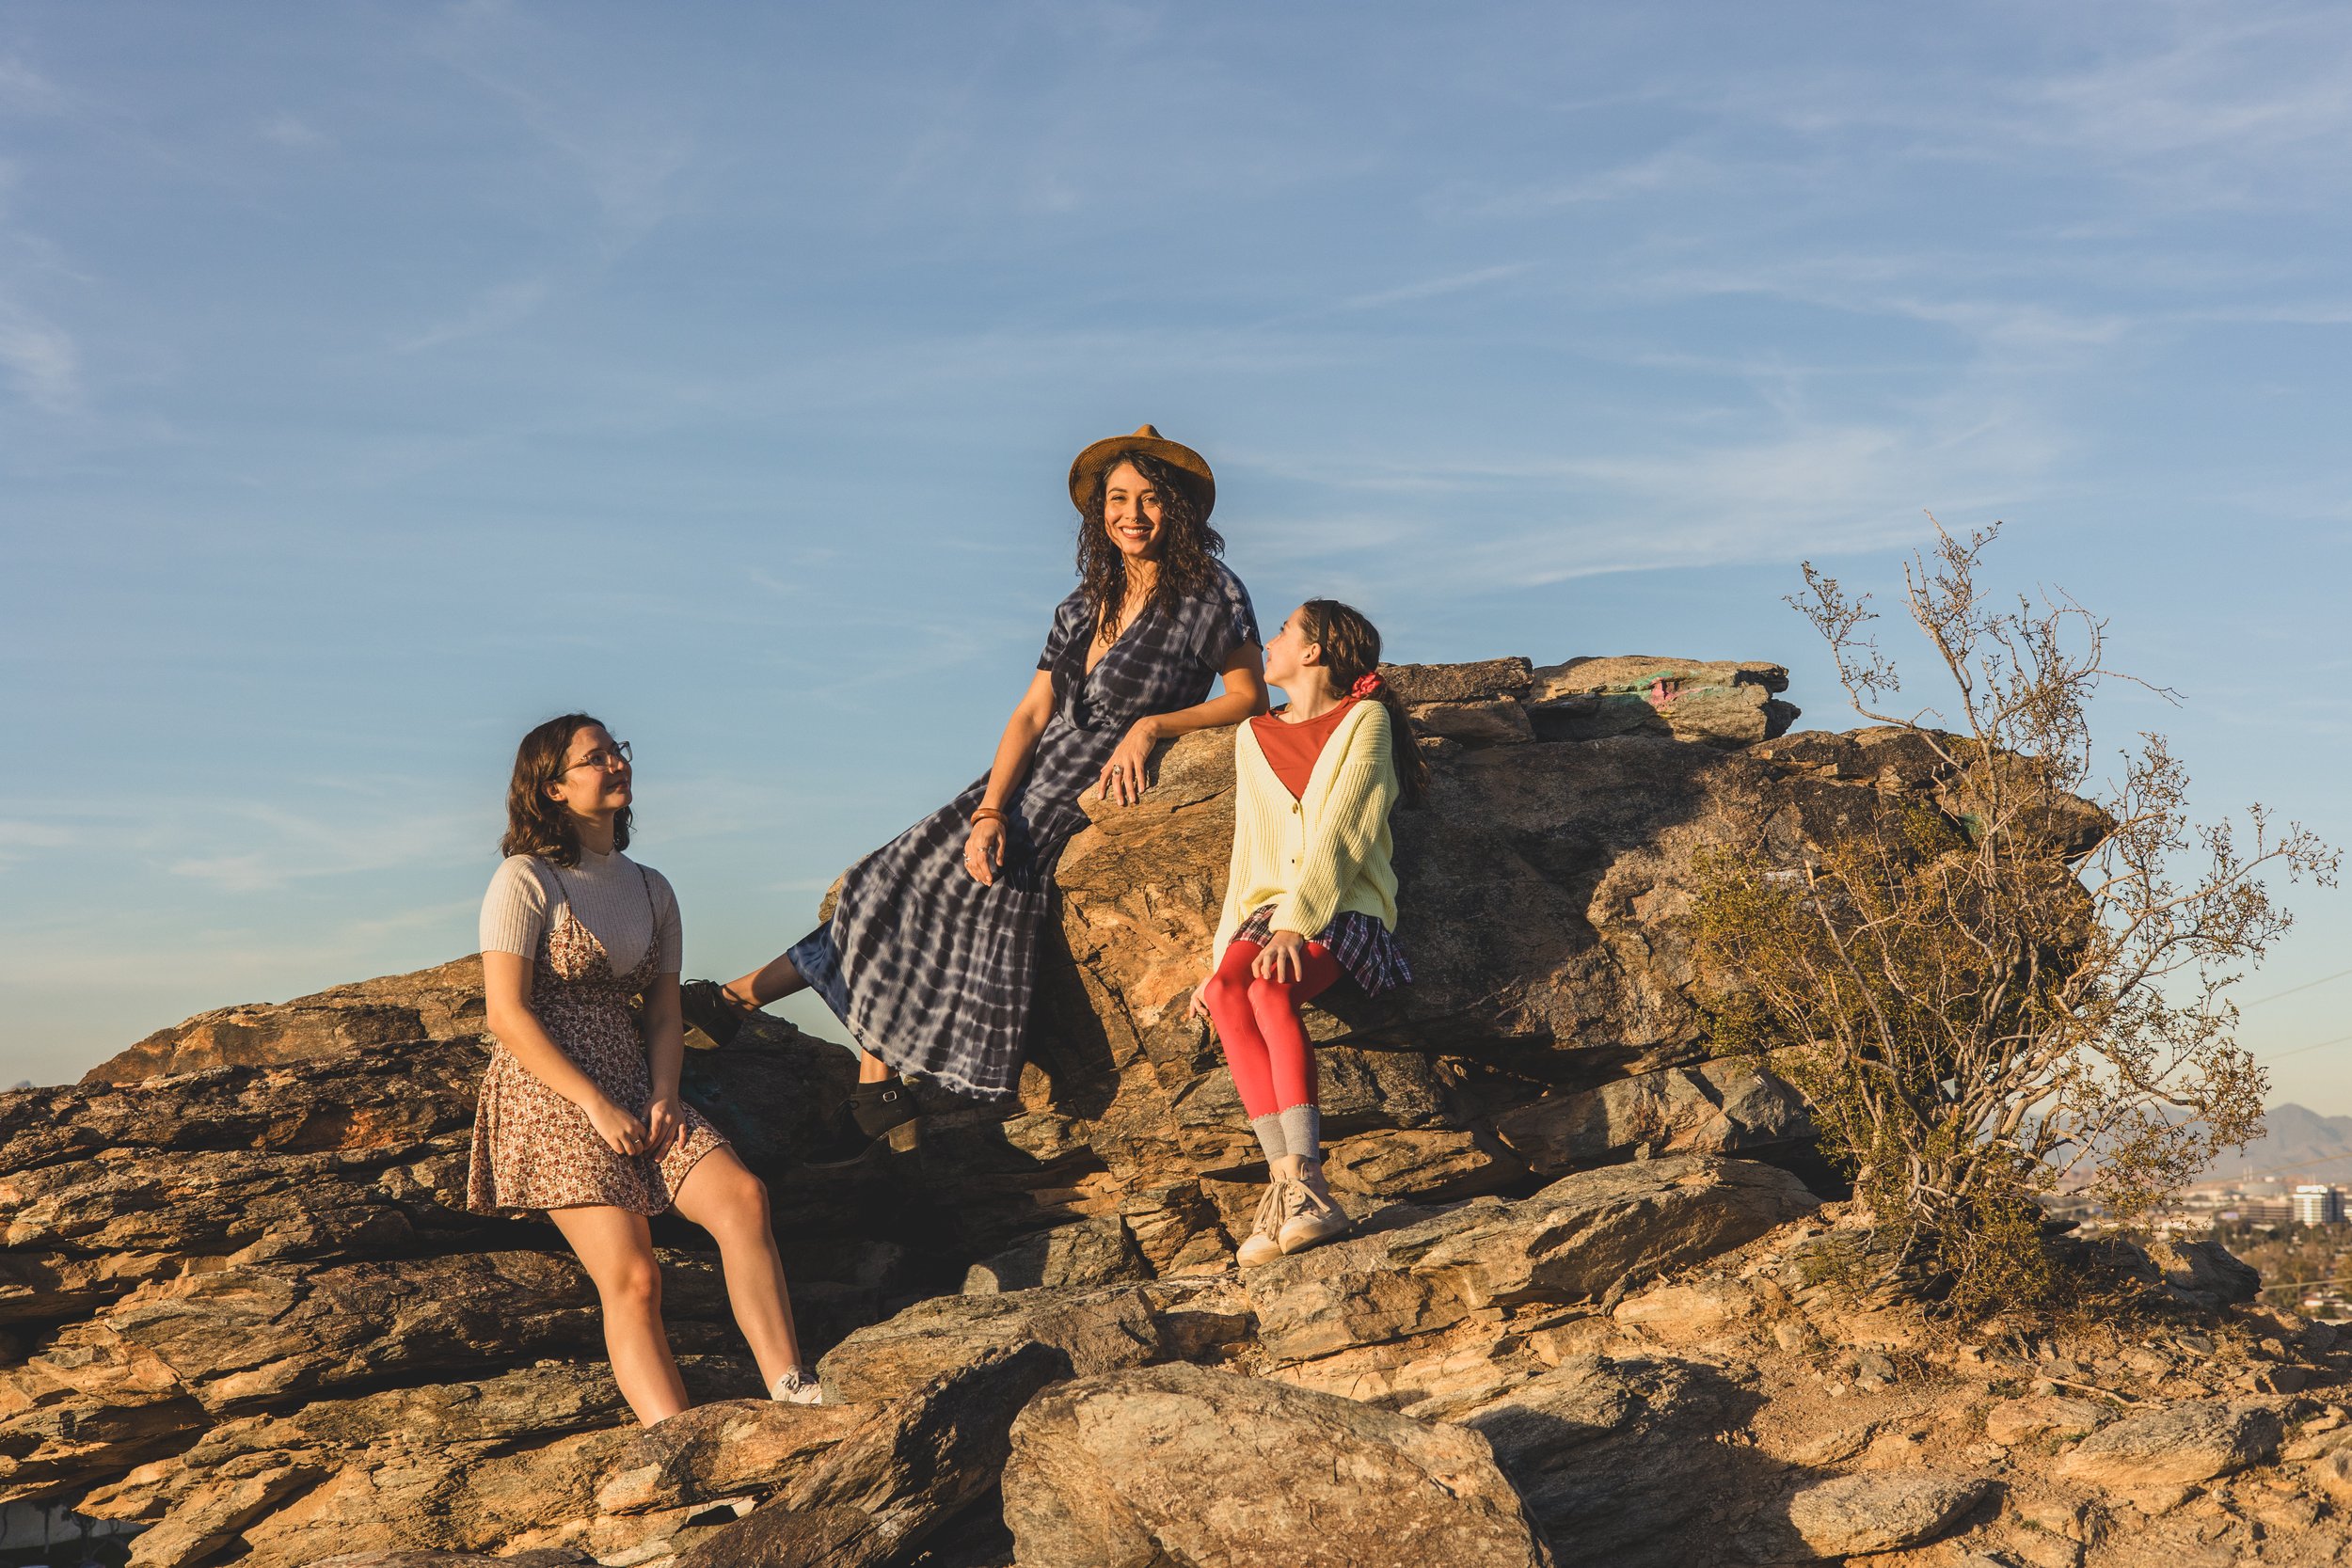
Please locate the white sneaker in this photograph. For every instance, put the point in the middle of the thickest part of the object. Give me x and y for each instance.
(1262, 1245)
(797, 1386)
(1314, 1216)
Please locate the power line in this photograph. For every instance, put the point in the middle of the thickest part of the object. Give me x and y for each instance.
(2292, 990)
(2300, 1284)
(2282, 1170)
(2282, 1055)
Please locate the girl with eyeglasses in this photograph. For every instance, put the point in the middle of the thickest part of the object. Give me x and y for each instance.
(579, 1116)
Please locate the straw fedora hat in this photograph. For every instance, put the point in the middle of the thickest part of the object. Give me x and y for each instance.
(1086, 472)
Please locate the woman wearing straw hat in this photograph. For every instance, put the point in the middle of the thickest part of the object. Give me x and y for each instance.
(930, 953)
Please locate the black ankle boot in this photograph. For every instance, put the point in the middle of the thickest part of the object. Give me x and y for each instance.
(873, 1112)
(706, 1006)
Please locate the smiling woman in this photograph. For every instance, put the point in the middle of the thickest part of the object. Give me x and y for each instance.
(930, 952)
(579, 1116)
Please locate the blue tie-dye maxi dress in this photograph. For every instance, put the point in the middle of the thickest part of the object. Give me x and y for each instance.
(931, 969)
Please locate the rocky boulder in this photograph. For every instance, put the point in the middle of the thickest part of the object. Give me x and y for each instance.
(1854, 1515)
(1574, 1241)
(1092, 1330)
(2176, 1446)
(1722, 702)
(898, 1477)
(1616, 1458)
(1188, 1468)
(242, 1304)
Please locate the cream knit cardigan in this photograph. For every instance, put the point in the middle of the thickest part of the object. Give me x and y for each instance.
(1324, 853)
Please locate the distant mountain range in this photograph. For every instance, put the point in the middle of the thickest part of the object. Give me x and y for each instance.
(2296, 1145)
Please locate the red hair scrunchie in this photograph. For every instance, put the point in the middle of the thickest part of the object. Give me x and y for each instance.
(1366, 686)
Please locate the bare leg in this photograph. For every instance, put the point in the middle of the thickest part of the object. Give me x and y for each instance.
(616, 1248)
(781, 977)
(731, 1203)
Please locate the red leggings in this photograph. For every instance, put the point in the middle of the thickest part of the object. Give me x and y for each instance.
(1257, 1022)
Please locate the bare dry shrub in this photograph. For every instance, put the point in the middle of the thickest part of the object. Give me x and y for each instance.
(2020, 983)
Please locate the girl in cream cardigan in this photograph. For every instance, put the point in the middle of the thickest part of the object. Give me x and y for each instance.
(1310, 896)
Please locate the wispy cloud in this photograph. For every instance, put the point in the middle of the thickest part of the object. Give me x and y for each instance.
(1821, 486)
(26, 91)
(21, 841)
(42, 362)
(294, 132)
(2232, 84)
(496, 309)
(227, 961)
(627, 149)
(1674, 168)
(1410, 293)
(2012, 330)
(275, 846)
(2185, 108)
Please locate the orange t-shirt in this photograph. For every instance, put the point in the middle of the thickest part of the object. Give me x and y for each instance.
(1291, 749)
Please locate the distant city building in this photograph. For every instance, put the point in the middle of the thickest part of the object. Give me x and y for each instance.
(2259, 1210)
(2317, 1205)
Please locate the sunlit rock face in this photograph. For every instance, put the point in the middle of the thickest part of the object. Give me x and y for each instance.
(242, 1304)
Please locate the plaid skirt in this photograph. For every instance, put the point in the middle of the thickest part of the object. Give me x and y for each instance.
(1364, 948)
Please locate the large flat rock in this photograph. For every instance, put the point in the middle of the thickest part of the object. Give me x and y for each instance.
(1096, 1329)
(1185, 1468)
(2178, 1446)
(1851, 1516)
(893, 1478)
(1571, 1242)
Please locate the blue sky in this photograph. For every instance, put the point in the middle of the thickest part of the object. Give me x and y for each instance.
(377, 379)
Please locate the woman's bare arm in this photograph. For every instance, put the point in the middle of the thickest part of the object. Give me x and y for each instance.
(1244, 697)
(984, 849)
(665, 1054)
(1017, 748)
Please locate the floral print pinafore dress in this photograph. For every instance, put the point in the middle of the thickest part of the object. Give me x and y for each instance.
(534, 1149)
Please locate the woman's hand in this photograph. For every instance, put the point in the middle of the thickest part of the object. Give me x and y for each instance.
(1122, 776)
(984, 850)
(665, 1123)
(1283, 959)
(621, 1130)
(1199, 1007)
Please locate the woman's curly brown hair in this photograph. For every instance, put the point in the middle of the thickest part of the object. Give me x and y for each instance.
(1188, 545)
(534, 824)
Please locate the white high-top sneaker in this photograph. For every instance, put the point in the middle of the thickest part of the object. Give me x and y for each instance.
(797, 1386)
(1264, 1246)
(1313, 1216)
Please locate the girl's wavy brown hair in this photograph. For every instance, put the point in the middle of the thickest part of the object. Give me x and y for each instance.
(1351, 650)
(534, 824)
(1188, 545)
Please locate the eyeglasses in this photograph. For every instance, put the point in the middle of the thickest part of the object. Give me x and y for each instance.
(600, 758)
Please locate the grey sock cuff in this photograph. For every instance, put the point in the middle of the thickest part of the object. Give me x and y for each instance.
(1302, 1132)
(1270, 1139)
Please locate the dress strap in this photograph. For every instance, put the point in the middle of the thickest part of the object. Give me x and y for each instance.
(563, 890)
